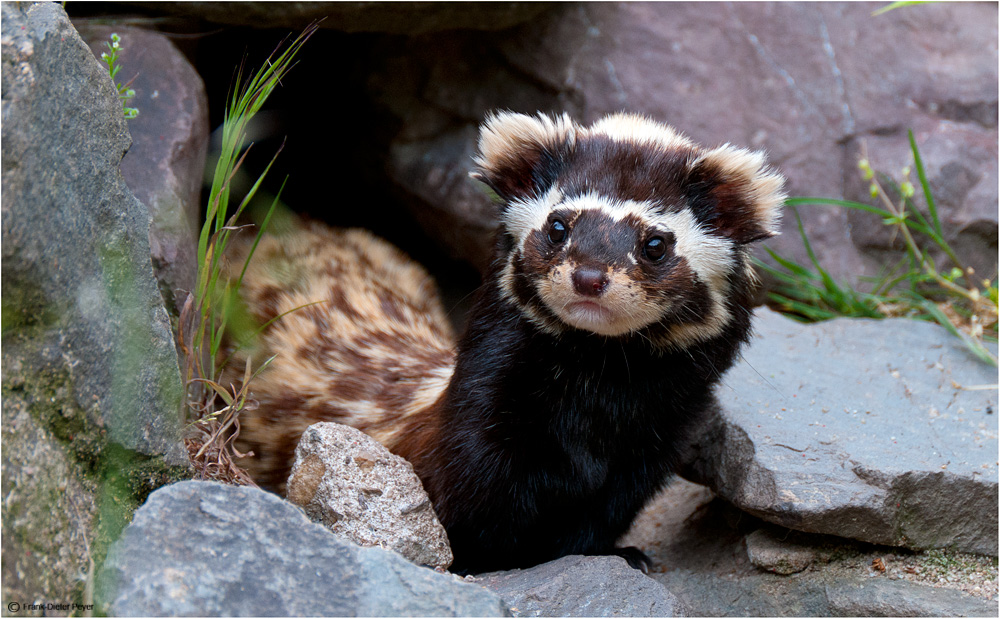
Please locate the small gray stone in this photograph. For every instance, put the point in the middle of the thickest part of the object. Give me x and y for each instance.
(899, 598)
(578, 586)
(350, 483)
(207, 549)
(874, 430)
(779, 556)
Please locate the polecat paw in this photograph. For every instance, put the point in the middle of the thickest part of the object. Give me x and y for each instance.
(636, 558)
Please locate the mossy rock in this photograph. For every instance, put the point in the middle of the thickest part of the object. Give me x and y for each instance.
(91, 384)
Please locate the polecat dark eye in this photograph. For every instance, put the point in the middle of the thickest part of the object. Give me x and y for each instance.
(557, 231)
(656, 248)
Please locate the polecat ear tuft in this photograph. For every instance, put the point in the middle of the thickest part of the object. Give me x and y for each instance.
(637, 129)
(744, 193)
(519, 155)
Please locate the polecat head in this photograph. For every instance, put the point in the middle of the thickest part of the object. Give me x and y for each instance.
(625, 226)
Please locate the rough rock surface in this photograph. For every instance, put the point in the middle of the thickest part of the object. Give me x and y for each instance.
(350, 483)
(577, 586)
(874, 430)
(207, 549)
(395, 18)
(964, 190)
(806, 82)
(91, 385)
(77, 272)
(50, 508)
(699, 548)
(781, 556)
(165, 165)
(895, 598)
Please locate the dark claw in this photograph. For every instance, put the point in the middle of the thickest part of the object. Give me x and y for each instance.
(636, 558)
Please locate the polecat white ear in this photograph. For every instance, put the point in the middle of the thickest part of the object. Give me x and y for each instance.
(519, 155)
(744, 194)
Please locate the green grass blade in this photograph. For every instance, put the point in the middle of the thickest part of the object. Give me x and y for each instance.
(219, 389)
(260, 231)
(910, 208)
(792, 266)
(245, 100)
(860, 206)
(895, 5)
(971, 343)
(804, 201)
(812, 312)
(213, 225)
(922, 175)
(249, 339)
(891, 282)
(830, 285)
(253, 189)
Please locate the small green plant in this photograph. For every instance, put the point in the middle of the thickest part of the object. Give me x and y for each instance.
(110, 58)
(206, 313)
(915, 287)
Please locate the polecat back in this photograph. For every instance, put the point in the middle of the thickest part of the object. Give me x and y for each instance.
(358, 333)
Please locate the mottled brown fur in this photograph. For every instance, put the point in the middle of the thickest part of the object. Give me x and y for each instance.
(376, 348)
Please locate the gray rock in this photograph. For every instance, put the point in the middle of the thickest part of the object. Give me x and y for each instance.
(806, 82)
(781, 556)
(351, 484)
(78, 285)
(166, 163)
(396, 18)
(577, 586)
(700, 546)
(964, 190)
(91, 385)
(899, 598)
(50, 509)
(874, 430)
(457, 213)
(700, 555)
(207, 549)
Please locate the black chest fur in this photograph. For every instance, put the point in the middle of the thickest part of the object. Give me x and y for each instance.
(552, 444)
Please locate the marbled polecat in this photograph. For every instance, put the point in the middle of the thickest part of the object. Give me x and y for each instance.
(619, 292)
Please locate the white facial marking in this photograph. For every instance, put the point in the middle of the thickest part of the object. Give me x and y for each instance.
(523, 216)
(616, 209)
(624, 308)
(708, 254)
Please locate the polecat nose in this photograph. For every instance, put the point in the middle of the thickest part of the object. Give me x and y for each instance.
(590, 282)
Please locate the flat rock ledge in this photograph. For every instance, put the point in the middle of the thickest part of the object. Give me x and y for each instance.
(881, 431)
(577, 586)
(207, 549)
